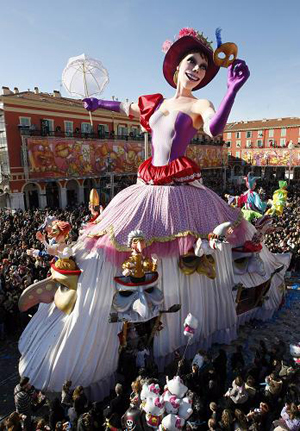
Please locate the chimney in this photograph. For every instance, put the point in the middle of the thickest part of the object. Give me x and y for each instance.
(6, 91)
(16, 90)
(36, 90)
(56, 93)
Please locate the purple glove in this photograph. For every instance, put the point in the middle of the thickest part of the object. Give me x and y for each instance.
(238, 73)
(91, 104)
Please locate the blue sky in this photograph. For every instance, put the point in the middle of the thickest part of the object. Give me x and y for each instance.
(38, 37)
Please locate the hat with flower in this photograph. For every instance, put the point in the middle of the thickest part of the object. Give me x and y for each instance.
(187, 40)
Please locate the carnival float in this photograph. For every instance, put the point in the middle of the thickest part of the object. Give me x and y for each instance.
(163, 249)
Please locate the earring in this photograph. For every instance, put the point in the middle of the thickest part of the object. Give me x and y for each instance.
(175, 77)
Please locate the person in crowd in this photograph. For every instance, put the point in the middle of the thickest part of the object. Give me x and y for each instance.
(119, 404)
(66, 395)
(135, 399)
(241, 421)
(273, 388)
(23, 397)
(56, 413)
(79, 400)
(238, 393)
(226, 422)
(290, 418)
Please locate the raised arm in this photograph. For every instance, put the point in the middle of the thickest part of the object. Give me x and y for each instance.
(215, 122)
(92, 104)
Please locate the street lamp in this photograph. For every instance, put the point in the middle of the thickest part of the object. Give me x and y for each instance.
(290, 147)
(224, 164)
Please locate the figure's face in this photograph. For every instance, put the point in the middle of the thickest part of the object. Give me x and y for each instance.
(138, 244)
(192, 70)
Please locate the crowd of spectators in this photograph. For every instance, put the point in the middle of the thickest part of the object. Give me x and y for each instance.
(264, 391)
(228, 393)
(17, 269)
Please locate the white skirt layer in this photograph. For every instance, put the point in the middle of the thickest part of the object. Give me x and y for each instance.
(83, 346)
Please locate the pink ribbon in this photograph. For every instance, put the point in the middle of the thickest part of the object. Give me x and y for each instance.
(158, 404)
(189, 329)
(154, 388)
(178, 422)
(173, 402)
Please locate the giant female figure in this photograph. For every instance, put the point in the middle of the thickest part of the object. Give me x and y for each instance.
(173, 209)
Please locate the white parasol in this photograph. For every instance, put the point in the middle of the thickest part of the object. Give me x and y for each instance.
(84, 76)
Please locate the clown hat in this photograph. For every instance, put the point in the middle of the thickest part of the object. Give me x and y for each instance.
(188, 40)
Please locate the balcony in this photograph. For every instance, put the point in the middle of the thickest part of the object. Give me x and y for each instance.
(77, 134)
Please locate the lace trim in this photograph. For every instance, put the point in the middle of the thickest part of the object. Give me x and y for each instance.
(195, 176)
(120, 247)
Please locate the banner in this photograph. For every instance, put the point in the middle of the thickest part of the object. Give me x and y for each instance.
(207, 156)
(65, 158)
(272, 157)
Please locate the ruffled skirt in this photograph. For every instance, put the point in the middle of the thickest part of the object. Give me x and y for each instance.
(172, 218)
(180, 171)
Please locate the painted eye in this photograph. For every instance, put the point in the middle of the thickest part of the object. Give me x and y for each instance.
(125, 293)
(149, 290)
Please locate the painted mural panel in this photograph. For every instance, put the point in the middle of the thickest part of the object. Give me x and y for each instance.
(57, 158)
(272, 157)
(67, 158)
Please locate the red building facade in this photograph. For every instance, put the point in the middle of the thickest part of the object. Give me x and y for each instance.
(50, 154)
(269, 147)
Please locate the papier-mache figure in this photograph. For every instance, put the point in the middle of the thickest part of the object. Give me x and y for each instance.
(94, 205)
(279, 200)
(201, 259)
(154, 409)
(176, 392)
(171, 422)
(61, 286)
(137, 265)
(172, 208)
(172, 403)
(190, 325)
(250, 202)
(295, 352)
(47, 228)
(132, 419)
(139, 280)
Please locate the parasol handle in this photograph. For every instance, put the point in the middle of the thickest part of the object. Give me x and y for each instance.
(91, 118)
(87, 93)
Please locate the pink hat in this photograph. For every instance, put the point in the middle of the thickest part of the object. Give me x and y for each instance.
(187, 40)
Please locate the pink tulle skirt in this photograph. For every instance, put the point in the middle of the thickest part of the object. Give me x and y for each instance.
(172, 218)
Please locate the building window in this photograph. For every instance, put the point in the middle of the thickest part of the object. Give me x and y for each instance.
(228, 143)
(103, 130)
(259, 143)
(271, 133)
(50, 124)
(282, 142)
(86, 128)
(134, 131)
(47, 127)
(249, 134)
(68, 128)
(25, 122)
(272, 143)
(122, 131)
(260, 134)
(238, 135)
(248, 143)
(229, 134)
(283, 132)
(238, 154)
(238, 144)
